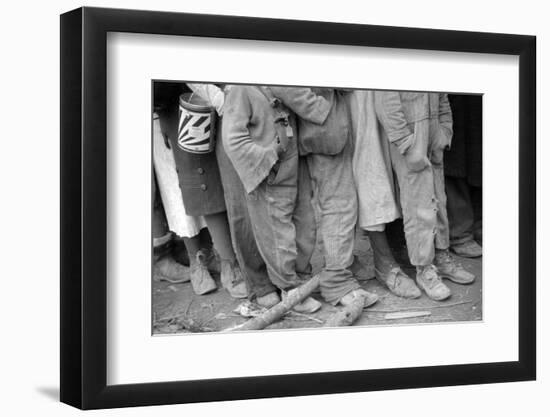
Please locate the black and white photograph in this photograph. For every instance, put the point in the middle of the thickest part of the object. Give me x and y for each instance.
(287, 207)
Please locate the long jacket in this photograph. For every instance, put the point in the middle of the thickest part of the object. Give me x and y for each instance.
(249, 132)
(371, 164)
(397, 110)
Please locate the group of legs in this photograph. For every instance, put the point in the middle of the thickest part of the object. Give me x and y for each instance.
(265, 239)
(422, 196)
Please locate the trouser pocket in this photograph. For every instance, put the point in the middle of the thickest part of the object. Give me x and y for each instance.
(284, 171)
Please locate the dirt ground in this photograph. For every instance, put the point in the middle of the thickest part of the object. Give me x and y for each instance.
(176, 308)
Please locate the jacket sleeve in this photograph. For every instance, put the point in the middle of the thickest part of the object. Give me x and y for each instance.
(252, 162)
(304, 102)
(211, 93)
(390, 114)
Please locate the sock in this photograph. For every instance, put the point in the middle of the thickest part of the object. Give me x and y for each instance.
(205, 239)
(383, 255)
(193, 245)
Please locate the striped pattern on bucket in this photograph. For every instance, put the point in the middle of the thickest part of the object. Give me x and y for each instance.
(194, 131)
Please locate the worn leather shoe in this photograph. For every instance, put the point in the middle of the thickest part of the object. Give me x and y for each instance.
(369, 297)
(201, 280)
(167, 269)
(448, 268)
(469, 249)
(399, 283)
(232, 279)
(429, 281)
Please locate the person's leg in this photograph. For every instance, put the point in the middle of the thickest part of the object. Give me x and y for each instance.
(442, 219)
(271, 207)
(477, 204)
(230, 273)
(382, 253)
(244, 244)
(446, 265)
(192, 245)
(219, 231)
(387, 269)
(419, 206)
(335, 192)
(165, 267)
(201, 280)
(304, 221)
(459, 210)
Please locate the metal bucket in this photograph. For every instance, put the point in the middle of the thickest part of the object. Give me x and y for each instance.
(197, 124)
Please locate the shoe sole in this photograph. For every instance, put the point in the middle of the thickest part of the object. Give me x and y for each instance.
(465, 255)
(374, 301)
(429, 296)
(208, 291)
(456, 281)
(408, 297)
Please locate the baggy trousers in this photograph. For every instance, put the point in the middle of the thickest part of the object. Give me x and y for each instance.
(248, 254)
(422, 196)
(334, 188)
(462, 202)
(283, 222)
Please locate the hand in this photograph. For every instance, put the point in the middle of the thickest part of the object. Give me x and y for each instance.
(443, 138)
(415, 160)
(404, 144)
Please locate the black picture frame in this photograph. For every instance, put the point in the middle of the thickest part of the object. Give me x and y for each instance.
(84, 207)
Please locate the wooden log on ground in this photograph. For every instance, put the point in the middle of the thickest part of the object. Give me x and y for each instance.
(347, 315)
(279, 310)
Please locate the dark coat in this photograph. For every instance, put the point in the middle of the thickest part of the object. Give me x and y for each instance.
(199, 175)
(464, 159)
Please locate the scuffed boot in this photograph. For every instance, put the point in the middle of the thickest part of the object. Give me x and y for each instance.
(369, 297)
(201, 280)
(167, 269)
(232, 279)
(450, 269)
(468, 249)
(399, 283)
(429, 281)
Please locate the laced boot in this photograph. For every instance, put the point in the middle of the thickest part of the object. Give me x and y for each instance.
(449, 268)
(429, 281)
(369, 297)
(167, 269)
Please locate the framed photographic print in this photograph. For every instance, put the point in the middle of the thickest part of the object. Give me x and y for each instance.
(260, 208)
